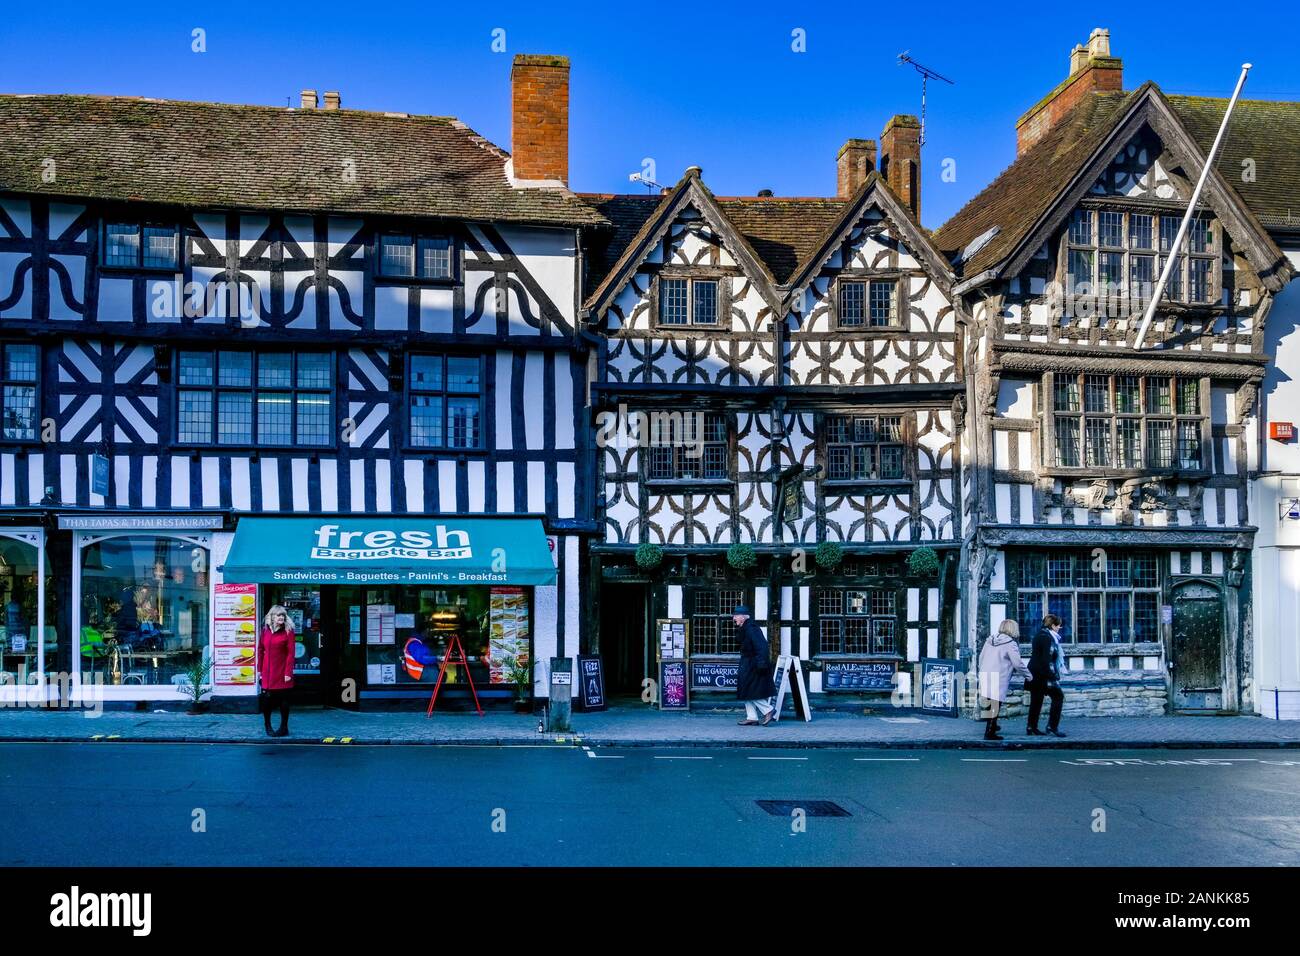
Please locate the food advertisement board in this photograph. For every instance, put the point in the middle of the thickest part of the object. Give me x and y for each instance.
(234, 640)
(508, 631)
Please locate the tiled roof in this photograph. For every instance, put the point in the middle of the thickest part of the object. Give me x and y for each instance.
(783, 231)
(216, 155)
(1266, 131)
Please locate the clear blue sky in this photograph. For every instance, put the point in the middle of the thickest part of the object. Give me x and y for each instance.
(713, 85)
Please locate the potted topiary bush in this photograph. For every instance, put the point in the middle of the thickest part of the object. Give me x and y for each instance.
(649, 556)
(195, 685)
(829, 555)
(923, 563)
(742, 557)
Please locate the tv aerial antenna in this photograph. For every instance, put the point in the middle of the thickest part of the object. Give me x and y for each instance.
(927, 74)
(649, 183)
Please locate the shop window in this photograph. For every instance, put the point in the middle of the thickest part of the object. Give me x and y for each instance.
(712, 629)
(141, 245)
(254, 398)
(20, 636)
(1110, 596)
(689, 446)
(144, 609)
(863, 448)
(857, 621)
(446, 401)
(19, 391)
(1124, 421)
(411, 256)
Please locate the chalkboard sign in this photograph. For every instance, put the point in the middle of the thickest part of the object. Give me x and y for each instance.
(939, 686)
(715, 675)
(673, 691)
(858, 676)
(591, 676)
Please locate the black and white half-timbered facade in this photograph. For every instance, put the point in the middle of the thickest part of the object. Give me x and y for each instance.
(778, 408)
(1114, 488)
(214, 313)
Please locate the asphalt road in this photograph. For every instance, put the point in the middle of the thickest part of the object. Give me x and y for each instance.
(141, 804)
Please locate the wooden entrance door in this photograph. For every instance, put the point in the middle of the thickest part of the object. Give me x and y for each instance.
(1196, 650)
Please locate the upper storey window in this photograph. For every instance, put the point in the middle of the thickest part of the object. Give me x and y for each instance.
(863, 448)
(140, 245)
(868, 304)
(1121, 253)
(1127, 422)
(413, 256)
(19, 364)
(246, 398)
(688, 302)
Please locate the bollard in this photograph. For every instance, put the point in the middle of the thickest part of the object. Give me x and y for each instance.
(561, 704)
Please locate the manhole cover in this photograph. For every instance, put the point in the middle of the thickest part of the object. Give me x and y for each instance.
(812, 808)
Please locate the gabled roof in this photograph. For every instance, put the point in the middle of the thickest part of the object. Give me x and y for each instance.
(217, 155)
(1011, 210)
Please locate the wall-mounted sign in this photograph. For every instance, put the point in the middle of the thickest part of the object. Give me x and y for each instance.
(1281, 431)
(792, 501)
(591, 689)
(674, 635)
(99, 475)
(673, 691)
(939, 685)
(858, 676)
(138, 522)
(715, 675)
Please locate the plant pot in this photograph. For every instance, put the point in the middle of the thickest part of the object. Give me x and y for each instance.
(198, 708)
(523, 706)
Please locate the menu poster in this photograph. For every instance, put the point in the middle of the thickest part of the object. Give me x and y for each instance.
(234, 634)
(673, 694)
(354, 624)
(673, 638)
(508, 631)
(380, 624)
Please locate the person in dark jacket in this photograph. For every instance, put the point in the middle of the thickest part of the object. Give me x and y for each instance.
(754, 684)
(1046, 664)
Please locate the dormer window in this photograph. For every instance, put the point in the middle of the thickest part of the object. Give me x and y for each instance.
(685, 302)
(140, 245)
(1120, 254)
(413, 256)
(868, 303)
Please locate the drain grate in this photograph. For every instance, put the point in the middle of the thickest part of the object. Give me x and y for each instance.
(812, 808)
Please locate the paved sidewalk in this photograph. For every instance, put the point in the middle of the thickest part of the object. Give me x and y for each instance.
(638, 726)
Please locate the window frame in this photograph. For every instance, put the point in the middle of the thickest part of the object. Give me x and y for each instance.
(415, 233)
(1180, 280)
(721, 301)
(692, 590)
(141, 222)
(252, 390)
(895, 280)
(409, 393)
(728, 480)
(35, 384)
(1144, 418)
(867, 585)
(905, 442)
(1070, 632)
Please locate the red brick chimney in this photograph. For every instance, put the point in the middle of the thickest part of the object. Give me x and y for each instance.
(900, 160)
(1092, 70)
(856, 160)
(539, 124)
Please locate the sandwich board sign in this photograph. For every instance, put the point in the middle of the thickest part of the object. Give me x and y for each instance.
(591, 692)
(789, 677)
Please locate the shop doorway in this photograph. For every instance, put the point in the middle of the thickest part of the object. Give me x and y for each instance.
(1197, 648)
(623, 644)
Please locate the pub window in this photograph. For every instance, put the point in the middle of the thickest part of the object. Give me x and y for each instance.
(446, 401)
(712, 629)
(1127, 421)
(19, 369)
(1112, 252)
(689, 445)
(1100, 598)
(688, 301)
(868, 304)
(863, 448)
(413, 256)
(140, 245)
(254, 398)
(863, 621)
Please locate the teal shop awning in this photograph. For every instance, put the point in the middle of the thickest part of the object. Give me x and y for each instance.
(398, 550)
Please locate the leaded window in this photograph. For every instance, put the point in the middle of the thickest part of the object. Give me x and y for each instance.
(413, 256)
(858, 621)
(19, 391)
(688, 301)
(1115, 253)
(712, 629)
(1102, 596)
(687, 445)
(869, 303)
(141, 245)
(864, 447)
(445, 401)
(254, 398)
(1127, 421)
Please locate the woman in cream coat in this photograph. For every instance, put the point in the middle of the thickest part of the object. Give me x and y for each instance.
(999, 659)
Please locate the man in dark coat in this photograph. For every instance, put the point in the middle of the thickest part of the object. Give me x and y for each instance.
(754, 684)
(1046, 664)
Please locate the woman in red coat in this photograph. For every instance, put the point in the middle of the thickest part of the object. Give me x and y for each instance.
(275, 653)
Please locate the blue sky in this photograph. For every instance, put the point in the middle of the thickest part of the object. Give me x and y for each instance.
(712, 85)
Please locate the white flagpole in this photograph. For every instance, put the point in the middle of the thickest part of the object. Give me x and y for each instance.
(1159, 290)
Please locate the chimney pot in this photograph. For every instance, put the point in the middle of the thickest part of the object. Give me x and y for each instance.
(1092, 70)
(853, 164)
(695, 171)
(332, 100)
(539, 124)
(765, 194)
(900, 160)
(308, 99)
(1099, 42)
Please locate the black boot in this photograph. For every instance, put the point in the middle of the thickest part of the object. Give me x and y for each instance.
(991, 730)
(266, 719)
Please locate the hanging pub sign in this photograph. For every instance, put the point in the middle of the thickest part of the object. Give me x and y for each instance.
(591, 677)
(674, 694)
(715, 675)
(939, 686)
(858, 676)
(792, 501)
(99, 475)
